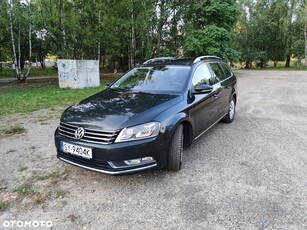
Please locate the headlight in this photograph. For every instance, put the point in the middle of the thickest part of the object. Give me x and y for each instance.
(139, 132)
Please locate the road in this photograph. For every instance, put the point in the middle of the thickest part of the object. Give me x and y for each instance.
(250, 174)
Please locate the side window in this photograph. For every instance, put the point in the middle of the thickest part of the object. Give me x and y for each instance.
(202, 76)
(226, 69)
(219, 74)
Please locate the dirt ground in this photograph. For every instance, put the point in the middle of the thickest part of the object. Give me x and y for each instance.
(250, 174)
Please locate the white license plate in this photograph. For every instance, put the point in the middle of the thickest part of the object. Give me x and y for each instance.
(76, 150)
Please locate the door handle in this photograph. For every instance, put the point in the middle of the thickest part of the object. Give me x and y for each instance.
(216, 95)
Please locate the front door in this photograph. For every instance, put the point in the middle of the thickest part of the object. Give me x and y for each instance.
(204, 104)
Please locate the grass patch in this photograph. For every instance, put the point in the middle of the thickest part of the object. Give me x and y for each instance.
(280, 66)
(3, 205)
(40, 197)
(34, 72)
(25, 189)
(59, 193)
(15, 129)
(22, 167)
(52, 175)
(27, 98)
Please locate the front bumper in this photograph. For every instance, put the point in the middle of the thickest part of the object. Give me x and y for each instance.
(109, 159)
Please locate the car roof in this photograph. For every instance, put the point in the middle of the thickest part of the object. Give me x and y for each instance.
(179, 61)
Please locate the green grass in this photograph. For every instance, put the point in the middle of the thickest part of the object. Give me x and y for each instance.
(53, 175)
(280, 66)
(3, 205)
(25, 189)
(34, 72)
(15, 129)
(59, 193)
(22, 167)
(25, 98)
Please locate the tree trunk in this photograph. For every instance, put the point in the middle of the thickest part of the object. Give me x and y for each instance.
(30, 42)
(246, 65)
(12, 36)
(19, 54)
(98, 47)
(133, 45)
(305, 33)
(160, 27)
(287, 65)
(275, 64)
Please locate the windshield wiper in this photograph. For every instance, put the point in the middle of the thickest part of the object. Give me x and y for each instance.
(143, 92)
(119, 89)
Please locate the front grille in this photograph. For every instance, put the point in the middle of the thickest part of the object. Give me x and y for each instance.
(90, 135)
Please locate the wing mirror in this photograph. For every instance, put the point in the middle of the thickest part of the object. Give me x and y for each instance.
(202, 89)
(109, 84)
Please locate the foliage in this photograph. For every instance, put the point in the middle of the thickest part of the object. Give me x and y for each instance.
(126, 32)
(212, 40)
(267, 30)
(214, 22)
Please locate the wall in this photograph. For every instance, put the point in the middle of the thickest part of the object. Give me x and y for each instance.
(78, 73)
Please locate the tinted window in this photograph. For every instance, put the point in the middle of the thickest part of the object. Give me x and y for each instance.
(202, 76)
(154, 79)
(226, 69)
(219, 74)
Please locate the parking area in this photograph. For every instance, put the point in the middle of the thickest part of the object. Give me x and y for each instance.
(250, 174)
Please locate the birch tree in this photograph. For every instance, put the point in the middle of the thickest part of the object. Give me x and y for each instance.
(303, 18)
(20, 13)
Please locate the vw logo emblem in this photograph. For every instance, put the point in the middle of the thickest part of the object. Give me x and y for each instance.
(79, 133)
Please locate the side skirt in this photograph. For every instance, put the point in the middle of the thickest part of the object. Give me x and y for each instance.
(210, 126)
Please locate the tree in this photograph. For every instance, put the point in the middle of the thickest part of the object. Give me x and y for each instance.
(215, 20)
(20, 17)
(5, 51)
(303, 21)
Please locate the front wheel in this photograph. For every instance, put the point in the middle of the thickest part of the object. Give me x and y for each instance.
(231, 112)
(174, 160)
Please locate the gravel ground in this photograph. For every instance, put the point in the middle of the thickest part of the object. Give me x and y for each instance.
(250, 174)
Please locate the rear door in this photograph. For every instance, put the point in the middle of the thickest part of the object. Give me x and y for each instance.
(225, 91)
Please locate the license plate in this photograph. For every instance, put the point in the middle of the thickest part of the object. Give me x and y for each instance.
(76, 150)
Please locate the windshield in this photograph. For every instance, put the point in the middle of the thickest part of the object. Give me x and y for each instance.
(171, 79)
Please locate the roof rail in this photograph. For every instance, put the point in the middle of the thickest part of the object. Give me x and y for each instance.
(206, 57)
(159, 59)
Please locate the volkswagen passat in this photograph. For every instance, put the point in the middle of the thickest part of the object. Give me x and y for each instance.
(145, 118)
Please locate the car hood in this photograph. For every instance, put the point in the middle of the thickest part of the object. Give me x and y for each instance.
(113, 110)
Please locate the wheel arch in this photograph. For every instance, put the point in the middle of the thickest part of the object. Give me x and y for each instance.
(187, 133)
(234, 96)
(169, 126)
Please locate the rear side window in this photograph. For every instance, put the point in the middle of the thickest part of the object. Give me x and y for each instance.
(226, 69)
(202, 76)
(217, 70)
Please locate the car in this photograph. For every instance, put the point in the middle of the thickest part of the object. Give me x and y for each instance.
(145, 118)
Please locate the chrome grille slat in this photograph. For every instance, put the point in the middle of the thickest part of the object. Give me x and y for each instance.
(71, 129)
(96, 138)
(90, 135)
(69, 133)
(98, 134)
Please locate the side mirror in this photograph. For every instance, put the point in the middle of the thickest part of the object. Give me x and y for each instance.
(109, 84)
(202, 89)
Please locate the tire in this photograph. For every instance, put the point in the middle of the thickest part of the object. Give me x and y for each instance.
(231, 112)
(174, 160)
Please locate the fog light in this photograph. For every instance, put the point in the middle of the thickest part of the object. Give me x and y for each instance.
(138, 161)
